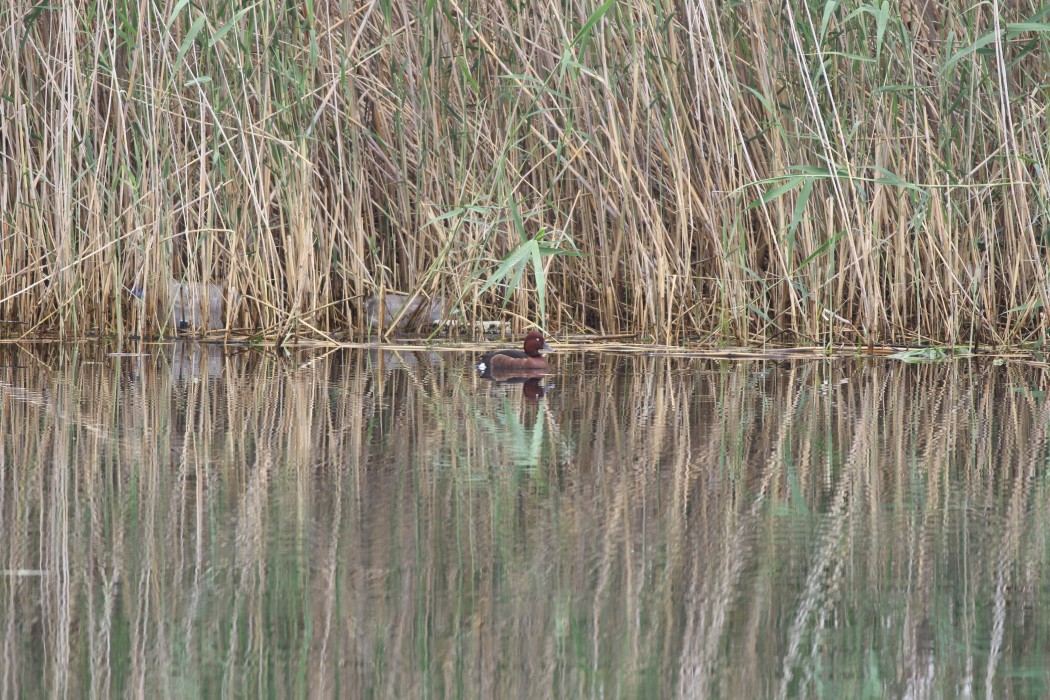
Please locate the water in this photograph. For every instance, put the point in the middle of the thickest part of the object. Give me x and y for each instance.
(193, 522)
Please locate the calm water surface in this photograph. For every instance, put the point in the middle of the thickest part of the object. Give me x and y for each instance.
(197, 522)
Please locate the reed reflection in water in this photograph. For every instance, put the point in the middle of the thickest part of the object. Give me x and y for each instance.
(352, 524)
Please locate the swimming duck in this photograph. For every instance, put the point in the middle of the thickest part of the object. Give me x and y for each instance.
(511, 362)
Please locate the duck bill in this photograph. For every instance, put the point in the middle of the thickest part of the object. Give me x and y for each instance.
(547, 348)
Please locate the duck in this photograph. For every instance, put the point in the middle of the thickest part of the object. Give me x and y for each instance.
(510, 363)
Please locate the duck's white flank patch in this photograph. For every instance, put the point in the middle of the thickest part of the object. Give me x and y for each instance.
(481, 366)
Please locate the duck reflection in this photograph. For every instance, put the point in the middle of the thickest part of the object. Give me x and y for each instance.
(521, 428)
(532, 389)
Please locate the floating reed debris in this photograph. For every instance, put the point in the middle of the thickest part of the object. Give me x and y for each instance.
(797, 171)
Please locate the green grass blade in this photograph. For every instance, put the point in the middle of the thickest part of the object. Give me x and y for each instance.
(585, 31)
(224, 29)
(187, 43)
(175, 13)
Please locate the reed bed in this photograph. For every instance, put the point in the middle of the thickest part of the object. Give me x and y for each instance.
(799, 171)
(361, 524)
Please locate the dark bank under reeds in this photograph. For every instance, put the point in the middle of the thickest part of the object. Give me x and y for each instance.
(811, 171)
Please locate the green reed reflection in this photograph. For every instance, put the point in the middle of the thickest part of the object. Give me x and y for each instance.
(193, 523)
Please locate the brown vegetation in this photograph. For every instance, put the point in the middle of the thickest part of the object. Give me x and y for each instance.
(807, 171)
